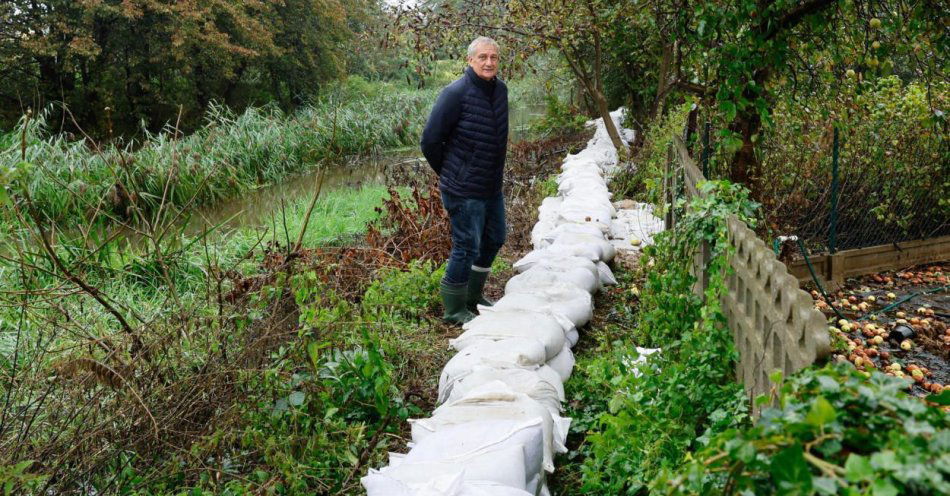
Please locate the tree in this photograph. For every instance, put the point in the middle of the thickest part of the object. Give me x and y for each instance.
(742, 56)
(577, 30)
(161, 61)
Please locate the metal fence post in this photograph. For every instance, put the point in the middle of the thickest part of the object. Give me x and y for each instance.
(668, 193)
(705, 156)
(833, 221)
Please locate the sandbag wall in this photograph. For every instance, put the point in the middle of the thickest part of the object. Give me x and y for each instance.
(499, 423)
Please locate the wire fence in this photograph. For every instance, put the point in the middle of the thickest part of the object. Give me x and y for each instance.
(841, 185)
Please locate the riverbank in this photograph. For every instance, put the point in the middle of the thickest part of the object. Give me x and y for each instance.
(80, 181)
(244, 364)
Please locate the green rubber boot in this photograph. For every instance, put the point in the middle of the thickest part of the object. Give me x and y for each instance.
(476, 286)
(453, 300)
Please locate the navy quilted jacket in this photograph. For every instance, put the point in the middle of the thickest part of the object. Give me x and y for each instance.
(466, 136)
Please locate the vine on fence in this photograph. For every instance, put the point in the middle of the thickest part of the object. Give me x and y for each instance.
(658, 408)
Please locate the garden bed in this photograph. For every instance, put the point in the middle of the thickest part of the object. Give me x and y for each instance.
(898, 322)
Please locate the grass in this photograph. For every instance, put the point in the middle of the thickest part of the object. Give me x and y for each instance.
(69, 180)
(238, 376)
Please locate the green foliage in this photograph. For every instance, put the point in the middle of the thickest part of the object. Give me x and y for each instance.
(893, 155)
(407, 294)
(548, 187)
(17, 476)
(656, 409)
(559, 118)
(165, 62)
(835, 432)
(230, 155)
(644, 181)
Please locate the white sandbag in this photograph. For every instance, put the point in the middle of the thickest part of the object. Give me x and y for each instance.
(549, 208)
(601, 155)
(541, 230)
(584, 276)
(458, 442)
(563, 363)
(606, 275)
(499, 326)
(580, 173)
(569, 242)
(518, 352)
(532, 282)
(586, 209)
(637, 223)
(561, 263)
(572, 337)
(591, 228)
(377, 484)
(544, 389)
(505, 466)
(581, 164)
(491, 401)
(583, 186)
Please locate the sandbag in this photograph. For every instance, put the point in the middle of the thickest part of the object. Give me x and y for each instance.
(549, 208)
(491, 401)
(584, 276)
(563, 363)
(505, 466)
(583, 186)
(517, 352)
(580, 173)
(565, 299)
(458, 442)
(606, 275)
(532, 282)
(547, 236)
(605, 250)
(541, 231)
(576, 268)
(377, 484)
(498, 326)
(578, 210)
(545, 390)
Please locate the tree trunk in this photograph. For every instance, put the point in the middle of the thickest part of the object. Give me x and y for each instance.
(612, 131)
(592, 86)
(662, 83)
(748, 123)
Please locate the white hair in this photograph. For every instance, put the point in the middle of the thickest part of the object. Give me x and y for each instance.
(481, 40)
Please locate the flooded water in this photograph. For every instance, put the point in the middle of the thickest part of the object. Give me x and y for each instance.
(256, 207)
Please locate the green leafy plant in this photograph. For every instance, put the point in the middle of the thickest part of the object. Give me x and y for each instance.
(559, 118)
(408, 294)
(657, 408)
(834, 433)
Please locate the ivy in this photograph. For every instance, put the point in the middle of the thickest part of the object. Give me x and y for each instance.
(834, 432)
(658, 408)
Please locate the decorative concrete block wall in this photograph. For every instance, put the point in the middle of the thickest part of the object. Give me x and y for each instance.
(774, 323)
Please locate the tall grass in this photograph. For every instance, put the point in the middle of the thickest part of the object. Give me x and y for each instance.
(73, 181)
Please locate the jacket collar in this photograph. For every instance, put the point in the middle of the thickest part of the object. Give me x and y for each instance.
(486, 86)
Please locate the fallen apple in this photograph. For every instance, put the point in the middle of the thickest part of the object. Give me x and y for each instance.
(907, 344)
(891, 296)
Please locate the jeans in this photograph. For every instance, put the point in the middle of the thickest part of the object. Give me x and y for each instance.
(478, 232)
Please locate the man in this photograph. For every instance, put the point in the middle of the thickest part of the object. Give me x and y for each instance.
(465, 142)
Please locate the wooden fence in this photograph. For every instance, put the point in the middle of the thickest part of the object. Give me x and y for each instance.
(773, 322)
